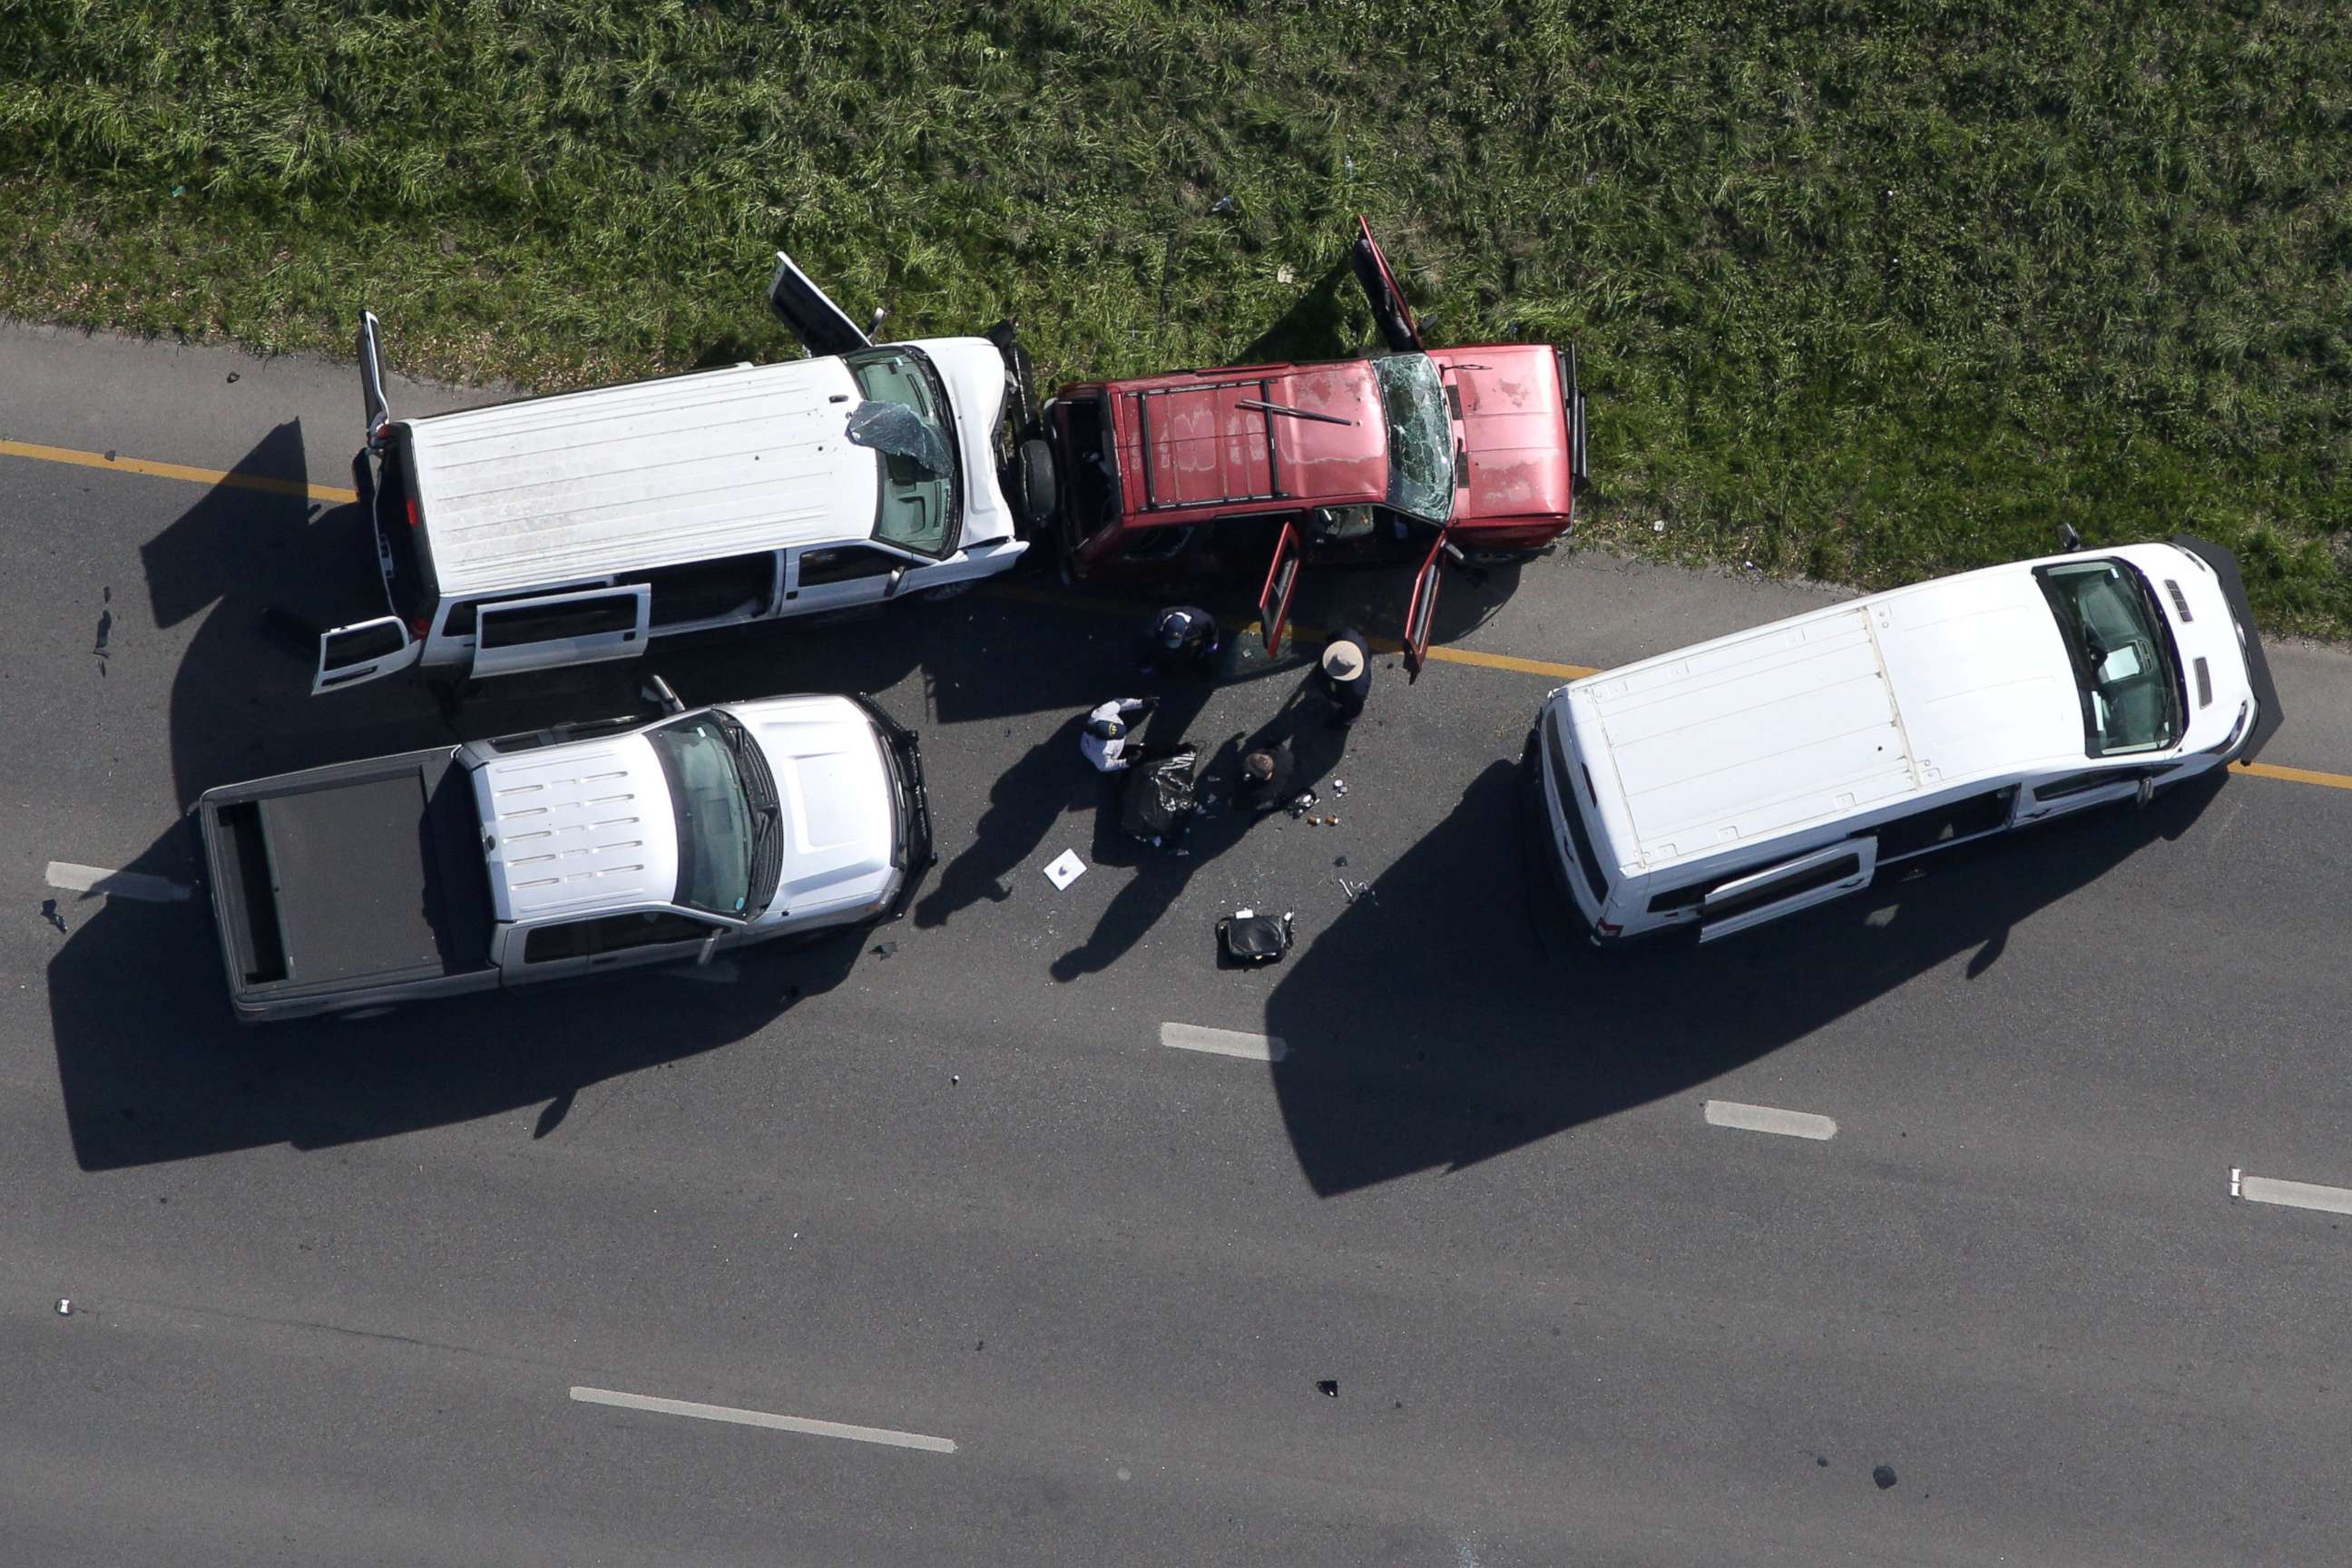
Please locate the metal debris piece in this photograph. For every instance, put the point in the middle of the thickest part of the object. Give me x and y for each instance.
(65, 1307)
(1329, 1386)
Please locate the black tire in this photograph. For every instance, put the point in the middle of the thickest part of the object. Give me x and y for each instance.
(1040, 497)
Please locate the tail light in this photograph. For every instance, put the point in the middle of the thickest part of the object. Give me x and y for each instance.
(412, 513)
(417, 629)
(1606, 928)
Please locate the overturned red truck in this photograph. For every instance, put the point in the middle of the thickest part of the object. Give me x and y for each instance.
(1405, 452)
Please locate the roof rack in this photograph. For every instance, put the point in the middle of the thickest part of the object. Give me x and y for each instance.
(1274, 490)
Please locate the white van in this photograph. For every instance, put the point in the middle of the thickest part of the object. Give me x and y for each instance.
(577, 528)
(1746, 778)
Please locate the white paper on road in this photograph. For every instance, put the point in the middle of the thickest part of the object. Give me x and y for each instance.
(1066, 869)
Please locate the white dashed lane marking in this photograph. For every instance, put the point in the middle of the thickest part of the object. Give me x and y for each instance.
(76, 878)
(1223, 1042)
(1766, 1118)
(2290, 1195)
(801, 1424)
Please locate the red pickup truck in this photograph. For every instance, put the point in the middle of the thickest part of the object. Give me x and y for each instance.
(1408, 451)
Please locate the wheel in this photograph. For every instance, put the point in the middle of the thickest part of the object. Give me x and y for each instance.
(1039, 498)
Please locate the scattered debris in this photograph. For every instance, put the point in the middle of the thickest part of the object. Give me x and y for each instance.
(110, 454)
(49, 913)
(1329, 1387)
(1340, 861)
(232, 376)
(955, 1078)
(1884, 1475)
(1064, 869)
(1283, 274)
(1822, 1460)
(1301, 802)
(1339, 786)
(1248, 937)
(885, 949)
(1658, 525)
(65, 1307)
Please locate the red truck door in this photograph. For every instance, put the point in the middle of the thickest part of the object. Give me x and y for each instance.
(1398, 328)
(1281, 585)
(1421, 610)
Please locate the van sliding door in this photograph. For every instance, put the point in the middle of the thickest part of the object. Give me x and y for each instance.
(1827, 873)
(555, 629)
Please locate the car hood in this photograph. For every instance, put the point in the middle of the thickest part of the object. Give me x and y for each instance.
(840, 810)
(1514, 429)
(974, 373)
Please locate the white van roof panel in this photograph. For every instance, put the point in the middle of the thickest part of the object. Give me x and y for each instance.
(1831, 713)
(627, 479)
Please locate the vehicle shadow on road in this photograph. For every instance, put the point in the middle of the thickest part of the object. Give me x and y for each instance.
(1456, 1015)
(153, 1067)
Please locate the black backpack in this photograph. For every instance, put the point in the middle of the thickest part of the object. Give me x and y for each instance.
(1250, 938)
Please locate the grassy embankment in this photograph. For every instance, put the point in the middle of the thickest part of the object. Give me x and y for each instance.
(1864, 291)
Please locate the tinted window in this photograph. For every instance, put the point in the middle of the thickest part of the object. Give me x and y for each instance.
(502, 628)
(1945, 824)
(738, 585)
(1773, 889)
(575, 939)
(347, 648)
(612, 933)
(846, 565)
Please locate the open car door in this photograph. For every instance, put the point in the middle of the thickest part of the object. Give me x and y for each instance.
(372, 406)
(362, 651)
(588, 626)
(1421, 610)
(820, 325)
(1281, 586)
(1398, 328)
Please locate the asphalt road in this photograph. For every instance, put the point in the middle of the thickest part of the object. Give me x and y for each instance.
(335, 1289)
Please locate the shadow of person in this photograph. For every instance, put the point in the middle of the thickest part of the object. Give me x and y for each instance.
(1024, 804)
(1492, 1025)
(152, 1066)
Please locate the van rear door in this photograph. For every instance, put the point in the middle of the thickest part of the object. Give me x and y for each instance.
(362, 651)
(1830, 872)
(373, 408)
(553, 629)
(1421, 610)
(1281, 587)
(1398, 328)
(821, 326)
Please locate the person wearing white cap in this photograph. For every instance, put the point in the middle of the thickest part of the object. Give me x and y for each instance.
(1346, 671)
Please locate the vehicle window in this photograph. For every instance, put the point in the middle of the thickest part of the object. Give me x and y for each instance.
(2125, 669)
(362, 644)
(1579, 835)
(1773, 890)
(737, 585)
(1421, 436)
(714, 815)
(845, 563)
(573, 939)
(1945, 824)
(2065, 784)
(915, 451)
(503, 627)
(612, 933)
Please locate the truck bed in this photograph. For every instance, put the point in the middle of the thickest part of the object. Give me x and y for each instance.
(349, 877)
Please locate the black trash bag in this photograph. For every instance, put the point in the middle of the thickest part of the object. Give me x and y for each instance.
(1162, 794)
(1248, 937)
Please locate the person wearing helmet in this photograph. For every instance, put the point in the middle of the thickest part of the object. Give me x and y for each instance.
(1347, 673)
(1109, 733)
(1179, 636)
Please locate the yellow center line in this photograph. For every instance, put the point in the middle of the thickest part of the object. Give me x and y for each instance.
(155, 470)
(1024, 592)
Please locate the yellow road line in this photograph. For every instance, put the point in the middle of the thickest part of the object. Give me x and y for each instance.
(155, 470)
(1024, 592)
(2293, 775)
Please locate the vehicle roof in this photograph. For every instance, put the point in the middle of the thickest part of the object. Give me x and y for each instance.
(1208, 455)
(578, 829)
(627, 479)
(1843, 710)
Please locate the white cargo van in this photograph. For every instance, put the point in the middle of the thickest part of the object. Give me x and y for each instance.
(577, 528)
(1746, 778)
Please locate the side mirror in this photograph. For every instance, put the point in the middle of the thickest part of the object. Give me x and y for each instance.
(2069, 541)
(656, 691)
(709, 946)
(2147, 791)
(874, 323)
(897, 576)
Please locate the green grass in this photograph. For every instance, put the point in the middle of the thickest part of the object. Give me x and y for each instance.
(1864, 291)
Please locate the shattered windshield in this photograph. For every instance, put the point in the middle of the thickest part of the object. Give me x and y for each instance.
(904, 419)
(2124, 663)
(1421, 436)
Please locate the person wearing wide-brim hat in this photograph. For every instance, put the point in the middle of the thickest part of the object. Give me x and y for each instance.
(1346, 669)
